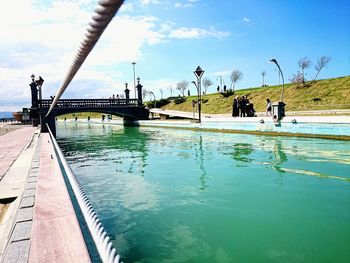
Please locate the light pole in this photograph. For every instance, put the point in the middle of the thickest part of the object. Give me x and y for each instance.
(278, 109)
(279, 68)
(199, 73)
(127, 91)
(133, 67)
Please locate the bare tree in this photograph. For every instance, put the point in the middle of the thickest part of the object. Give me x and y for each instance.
(321, 63)
(297, 79)
(182, 86)
(206, 83)
(304, 63)
(144, 93)
(171, 90)
(236, 76)
(263, 74)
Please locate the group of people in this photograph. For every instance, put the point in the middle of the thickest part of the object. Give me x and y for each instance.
(242, 107)
(114, 97)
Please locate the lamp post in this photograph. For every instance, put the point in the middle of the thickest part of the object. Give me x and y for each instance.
(133, 68)
(127, 91)
(199, 73)
(279, 68)
(278, 109)
(139, 92)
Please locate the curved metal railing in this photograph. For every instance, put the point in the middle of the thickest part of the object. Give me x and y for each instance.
(107, 252)
(104, 12)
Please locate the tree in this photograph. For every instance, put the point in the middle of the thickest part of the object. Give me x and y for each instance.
(297, 79)
(321, 63)
(303, 64)
(206, 83)
(144, 93)
(171, 90)
(182, 86)
(236, 76)
(161, 93)
(263, 74)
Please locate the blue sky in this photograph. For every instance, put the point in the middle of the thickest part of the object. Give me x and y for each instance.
(167, 40)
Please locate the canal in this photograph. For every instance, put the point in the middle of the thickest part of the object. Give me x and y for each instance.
(169, 195)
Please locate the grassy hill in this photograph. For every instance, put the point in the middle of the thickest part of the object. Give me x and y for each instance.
(320, 95)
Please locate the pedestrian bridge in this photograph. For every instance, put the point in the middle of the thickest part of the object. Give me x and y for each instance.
(128, 109)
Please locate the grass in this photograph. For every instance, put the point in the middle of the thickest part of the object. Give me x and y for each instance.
(321, 95)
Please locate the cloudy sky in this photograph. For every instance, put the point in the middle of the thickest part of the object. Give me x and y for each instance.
(167, 40)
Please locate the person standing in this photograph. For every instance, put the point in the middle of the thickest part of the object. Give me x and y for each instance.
(268, 107)
(243, 105)
(235, 109)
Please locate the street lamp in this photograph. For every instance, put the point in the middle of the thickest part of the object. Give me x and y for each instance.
(133, 67)
(279, 68)
(199, 73)
(278, 109)
(139, 92)
(127, 91)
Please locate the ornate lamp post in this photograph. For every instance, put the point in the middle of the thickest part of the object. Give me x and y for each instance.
(127, 91)
(139, 92)
(199, 73)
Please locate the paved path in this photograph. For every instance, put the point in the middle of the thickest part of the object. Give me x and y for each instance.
(189, 115)
(11, 145)
(40, 225)
(56, 234)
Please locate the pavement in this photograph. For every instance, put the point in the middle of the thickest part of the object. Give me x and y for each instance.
(37, 220)
(191, 115)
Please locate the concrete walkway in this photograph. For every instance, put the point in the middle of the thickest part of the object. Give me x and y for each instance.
(190, 115)
(11, 145)
(39, 224)
(56, 234)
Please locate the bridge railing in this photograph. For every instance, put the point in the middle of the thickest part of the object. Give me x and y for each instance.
(88, 103)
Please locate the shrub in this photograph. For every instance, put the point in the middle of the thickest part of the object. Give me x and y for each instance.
(227, 93)
(179, 100)
(158, 103)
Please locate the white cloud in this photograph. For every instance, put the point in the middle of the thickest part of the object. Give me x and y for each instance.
(183, 5)
(43, 39)
(221, 73)
(127, 7)
(185, 32)
(147, 2)
(246, 20)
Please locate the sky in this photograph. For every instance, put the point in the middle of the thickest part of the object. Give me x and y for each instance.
(167, 40)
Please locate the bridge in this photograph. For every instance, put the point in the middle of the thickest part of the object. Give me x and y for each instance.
(129, 109)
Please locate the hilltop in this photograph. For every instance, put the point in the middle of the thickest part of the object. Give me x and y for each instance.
(319, 95)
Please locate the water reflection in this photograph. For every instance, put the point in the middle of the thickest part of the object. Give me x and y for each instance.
(199, 156)
(151, 189)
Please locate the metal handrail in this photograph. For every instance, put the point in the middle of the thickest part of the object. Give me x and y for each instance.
(104, 12)
(107, 252)
(91, 103)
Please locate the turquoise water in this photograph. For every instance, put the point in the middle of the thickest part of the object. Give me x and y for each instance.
(167, 195)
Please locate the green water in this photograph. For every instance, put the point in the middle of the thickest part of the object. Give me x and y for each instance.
(167, 195)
